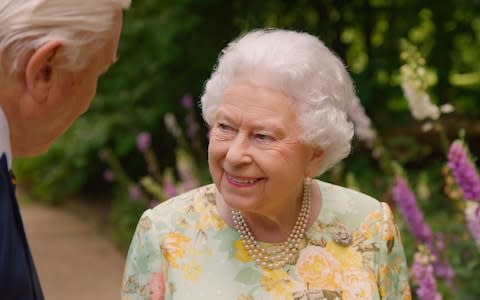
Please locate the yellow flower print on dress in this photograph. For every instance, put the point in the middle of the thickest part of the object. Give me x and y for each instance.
(360, 284)
(346, 256)
(371, 225)
(173, 247)
(278, 282)
(209, 220)
(388, 233)
(241, 253)
(208, 216)
(319, 269)
(192, 271)
(199, 204)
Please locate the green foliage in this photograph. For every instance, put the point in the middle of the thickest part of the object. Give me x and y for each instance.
(168, 49)
(125, 215)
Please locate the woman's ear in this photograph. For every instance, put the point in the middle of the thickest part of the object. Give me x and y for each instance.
(314, 163)
(39, 69)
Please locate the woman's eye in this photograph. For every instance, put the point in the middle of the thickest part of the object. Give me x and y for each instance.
(264, 137)
(225, 127)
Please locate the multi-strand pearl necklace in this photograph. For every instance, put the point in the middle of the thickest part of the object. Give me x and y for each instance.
(277, 257)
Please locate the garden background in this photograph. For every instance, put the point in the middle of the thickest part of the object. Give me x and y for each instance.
(416, 68)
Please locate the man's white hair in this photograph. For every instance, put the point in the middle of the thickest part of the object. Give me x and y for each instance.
(302, 67)
(81, 25)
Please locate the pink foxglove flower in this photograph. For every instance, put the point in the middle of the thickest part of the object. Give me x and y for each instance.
(144, 140)
(464, 171)
(135, 192)
(169, 187)
(423, 272)
(187, 101)
(472, 215)
(108, 175)
(407, 204)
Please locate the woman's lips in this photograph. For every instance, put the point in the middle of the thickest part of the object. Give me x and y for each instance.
(242, 181)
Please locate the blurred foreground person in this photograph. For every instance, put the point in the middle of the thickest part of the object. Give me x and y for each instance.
(276, 105)
(52, 53)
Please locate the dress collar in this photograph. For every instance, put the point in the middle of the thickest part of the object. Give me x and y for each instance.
(5, 138)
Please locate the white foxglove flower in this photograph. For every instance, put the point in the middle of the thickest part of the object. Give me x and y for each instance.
(427, 127)
(447, 108)
(419, 102)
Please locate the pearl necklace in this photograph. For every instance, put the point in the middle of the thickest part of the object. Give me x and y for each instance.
(277, 257)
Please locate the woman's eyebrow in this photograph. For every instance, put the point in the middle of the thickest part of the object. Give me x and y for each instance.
(266, 125)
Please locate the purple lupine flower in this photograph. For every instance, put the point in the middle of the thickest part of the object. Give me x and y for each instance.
(464, 171)
(472, 215)
(363, 128)
(108, 175)
(144, 140)
(407, 204)
(187, 101)
(135, 192)
(423, 272)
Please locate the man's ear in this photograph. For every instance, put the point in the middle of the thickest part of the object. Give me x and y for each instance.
(38, 73)
(315, 162)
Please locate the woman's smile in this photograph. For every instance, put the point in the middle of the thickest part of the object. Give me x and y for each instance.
(242, 181)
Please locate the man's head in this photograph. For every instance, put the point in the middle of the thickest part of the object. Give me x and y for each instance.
(52, 53)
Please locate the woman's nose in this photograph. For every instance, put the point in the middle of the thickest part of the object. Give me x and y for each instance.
(238, 151)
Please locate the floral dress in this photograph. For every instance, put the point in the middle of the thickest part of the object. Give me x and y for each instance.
(182, 249)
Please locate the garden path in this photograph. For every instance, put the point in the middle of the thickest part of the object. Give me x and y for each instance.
(74, 258)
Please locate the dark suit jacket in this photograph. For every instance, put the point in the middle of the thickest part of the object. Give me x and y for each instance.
(18, 278)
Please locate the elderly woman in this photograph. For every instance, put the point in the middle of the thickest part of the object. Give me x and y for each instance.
(276, 105)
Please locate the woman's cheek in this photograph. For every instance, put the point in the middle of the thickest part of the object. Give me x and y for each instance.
(284, 151)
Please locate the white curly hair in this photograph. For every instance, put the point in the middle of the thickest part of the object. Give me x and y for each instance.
(301, 66)
(81, 25)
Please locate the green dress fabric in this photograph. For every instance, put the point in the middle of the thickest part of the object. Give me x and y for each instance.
(182, 249)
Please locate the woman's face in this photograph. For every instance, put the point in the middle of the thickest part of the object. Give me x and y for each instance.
(255, 157)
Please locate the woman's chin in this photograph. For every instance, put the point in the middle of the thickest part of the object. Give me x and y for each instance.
(240, 203)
